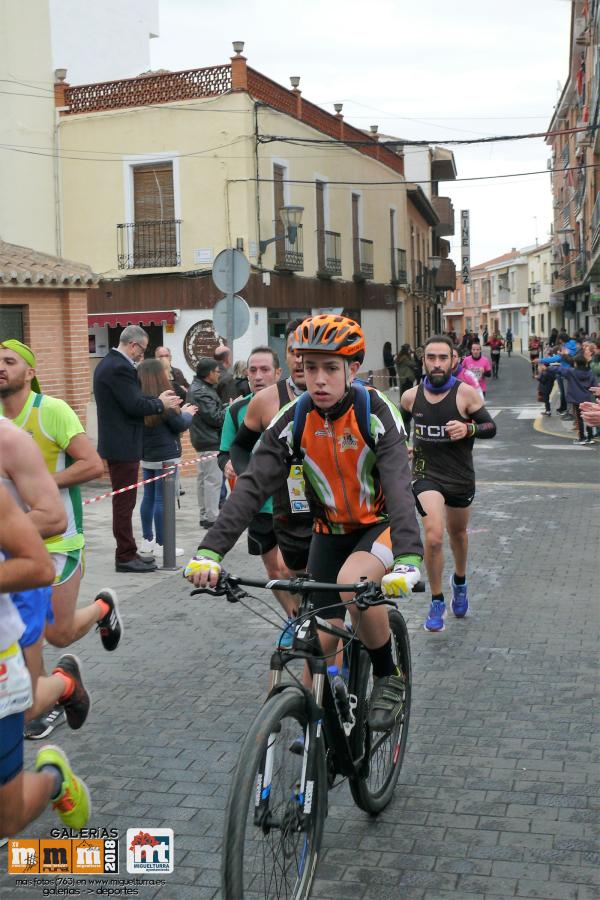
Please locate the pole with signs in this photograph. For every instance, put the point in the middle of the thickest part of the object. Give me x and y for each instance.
(465, 247)
(230, 273)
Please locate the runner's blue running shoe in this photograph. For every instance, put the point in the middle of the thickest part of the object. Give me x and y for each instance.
(286, 638)
(460, 601)
(437, 614)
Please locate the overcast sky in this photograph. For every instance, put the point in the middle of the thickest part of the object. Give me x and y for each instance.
(430, 70)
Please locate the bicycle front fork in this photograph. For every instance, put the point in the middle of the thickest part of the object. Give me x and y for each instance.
(302, 790)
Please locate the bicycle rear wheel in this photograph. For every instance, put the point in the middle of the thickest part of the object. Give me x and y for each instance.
(265, 851)
(373, 790)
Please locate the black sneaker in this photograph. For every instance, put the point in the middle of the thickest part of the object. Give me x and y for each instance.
(110, 626)
(386, 703)
(78, 705)
(44, 725)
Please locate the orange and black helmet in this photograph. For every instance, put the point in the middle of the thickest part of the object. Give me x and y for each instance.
(328, 333)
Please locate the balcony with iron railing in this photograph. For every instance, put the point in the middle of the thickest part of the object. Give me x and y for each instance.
(363, 259)
(425, 283)
(580, 264)
(149, 245)
(329, 253)
(399, 272)
(596, 224)
(289, 255)
(445, 212)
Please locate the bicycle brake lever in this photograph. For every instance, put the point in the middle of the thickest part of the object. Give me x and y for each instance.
(212, 592)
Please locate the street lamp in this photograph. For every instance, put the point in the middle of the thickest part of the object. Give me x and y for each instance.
(291, 216)
(434, 264)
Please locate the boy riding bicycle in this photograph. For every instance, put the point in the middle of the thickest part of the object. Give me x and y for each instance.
(358, 486)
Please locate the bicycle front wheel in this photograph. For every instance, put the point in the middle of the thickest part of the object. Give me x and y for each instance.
(372, 790)
(269, 849)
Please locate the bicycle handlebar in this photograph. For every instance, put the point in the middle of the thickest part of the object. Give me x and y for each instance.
(367, 592)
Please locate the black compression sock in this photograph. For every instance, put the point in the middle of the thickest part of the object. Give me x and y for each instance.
(460, 579)
(382, 660)
(437, 597)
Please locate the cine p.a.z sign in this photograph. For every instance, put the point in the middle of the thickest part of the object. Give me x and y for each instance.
(465, 249)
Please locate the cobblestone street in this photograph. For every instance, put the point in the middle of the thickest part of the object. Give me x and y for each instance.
(498, 795)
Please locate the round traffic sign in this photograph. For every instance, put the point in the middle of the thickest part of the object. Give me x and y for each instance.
(231, 271)
(237, 311)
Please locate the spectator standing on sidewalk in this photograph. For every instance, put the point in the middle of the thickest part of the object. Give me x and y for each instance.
(121, 410)
(405, 367)
(390, 364)
(177, 380)
(161, 447)
(205, 432)
(240, 376)
(579, 381)
(545, 382)
(227, 389)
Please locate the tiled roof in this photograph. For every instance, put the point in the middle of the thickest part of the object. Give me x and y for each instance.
(24, 266)
(497, 259)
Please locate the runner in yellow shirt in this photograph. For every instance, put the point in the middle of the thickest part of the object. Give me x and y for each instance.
(71, 460)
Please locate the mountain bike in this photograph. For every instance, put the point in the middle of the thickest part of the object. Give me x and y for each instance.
(306, 740)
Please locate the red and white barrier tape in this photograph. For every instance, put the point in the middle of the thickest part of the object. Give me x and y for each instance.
(130, 487)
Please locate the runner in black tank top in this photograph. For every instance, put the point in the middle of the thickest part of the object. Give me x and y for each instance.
(448, 415)
(436, 457)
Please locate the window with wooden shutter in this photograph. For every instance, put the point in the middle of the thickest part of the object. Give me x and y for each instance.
(153, 242)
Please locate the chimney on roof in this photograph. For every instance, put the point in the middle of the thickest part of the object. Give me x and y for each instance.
(338, 114)
(295, 81)
(374, 130)
(60, 87)
(239, 72)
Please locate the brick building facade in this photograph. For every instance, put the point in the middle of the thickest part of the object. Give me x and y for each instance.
(43, 302)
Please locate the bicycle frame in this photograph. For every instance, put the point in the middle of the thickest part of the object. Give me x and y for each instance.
(325, 725)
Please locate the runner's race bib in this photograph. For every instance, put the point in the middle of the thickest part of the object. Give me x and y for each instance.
(295, 483)
(15, 682)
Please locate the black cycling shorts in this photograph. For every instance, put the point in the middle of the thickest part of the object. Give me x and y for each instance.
(455, 501)
(294, 547)
(329, 552)
(261, 537)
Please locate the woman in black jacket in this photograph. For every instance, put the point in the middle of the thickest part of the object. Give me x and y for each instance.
(390, 364)
(161, 445)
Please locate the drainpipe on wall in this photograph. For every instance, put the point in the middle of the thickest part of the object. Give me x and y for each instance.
(60, 105)
(256, 174)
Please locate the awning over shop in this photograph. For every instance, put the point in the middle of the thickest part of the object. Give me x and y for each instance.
(122, 319)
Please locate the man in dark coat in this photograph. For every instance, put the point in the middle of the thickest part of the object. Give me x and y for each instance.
(175, 375)
(227, 387)
(121, 409)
